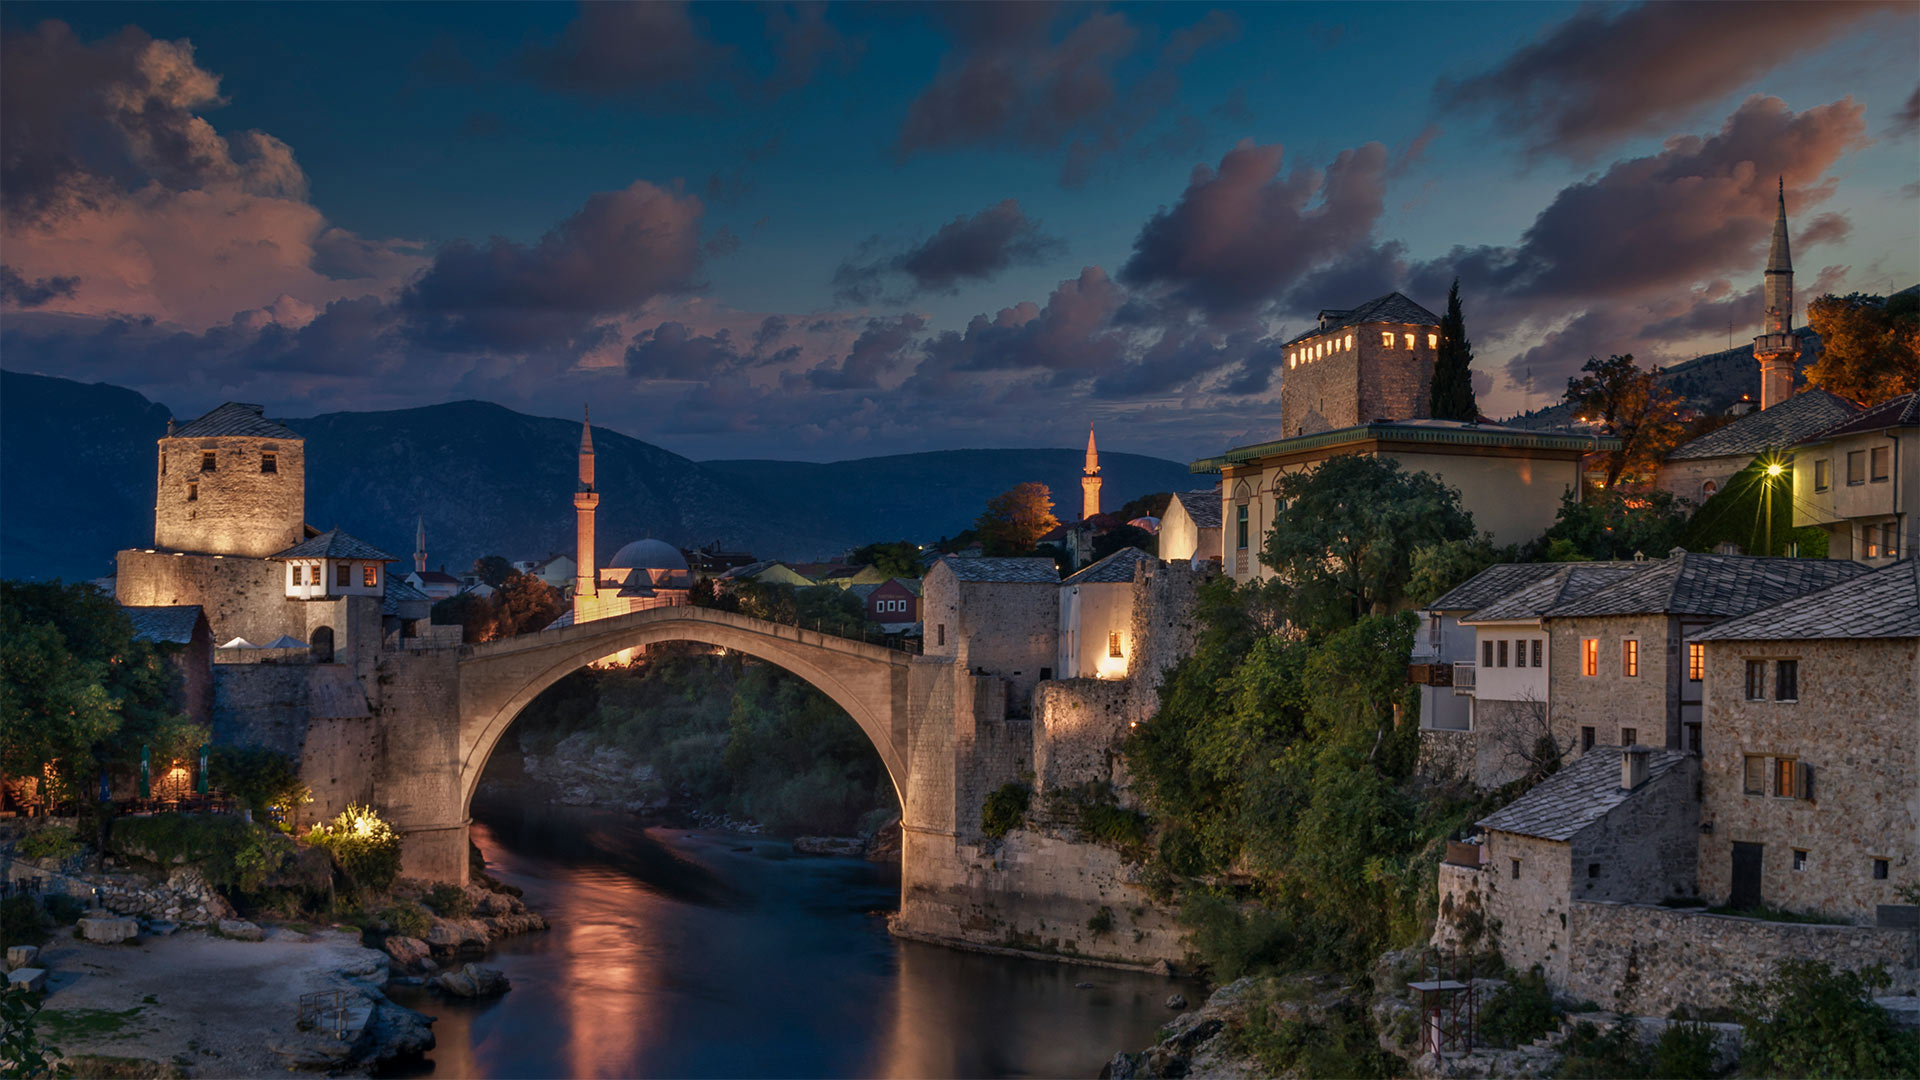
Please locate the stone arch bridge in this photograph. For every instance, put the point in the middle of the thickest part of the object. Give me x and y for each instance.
(449, 708)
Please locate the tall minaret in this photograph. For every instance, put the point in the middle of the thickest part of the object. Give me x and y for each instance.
(1090, 481)
(585, 498)
(420, 543)
(1777, 348)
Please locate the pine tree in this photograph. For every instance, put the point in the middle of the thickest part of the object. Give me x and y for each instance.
(1453, 370)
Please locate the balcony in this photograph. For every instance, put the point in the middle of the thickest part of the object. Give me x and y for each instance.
(1463, 678)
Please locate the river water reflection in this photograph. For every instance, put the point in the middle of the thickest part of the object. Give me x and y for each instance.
(687, 954)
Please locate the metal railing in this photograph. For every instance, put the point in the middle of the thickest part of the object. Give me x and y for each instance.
(1463, 677)
(324, 1009)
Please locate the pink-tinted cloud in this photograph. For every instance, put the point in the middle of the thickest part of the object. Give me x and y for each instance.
(1607, 73)
(970, 248)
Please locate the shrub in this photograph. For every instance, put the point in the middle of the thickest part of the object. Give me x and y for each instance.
(1095, 812)
(1613, 1054)
(52, 842)
(64, 910)
(21, 922)
(1101, 921)
(262, 780)
(1340, 1043)
(1811, 1020)
(1684, 1052)
(364, 847)
(1519, 1012)
(1004, 809)
(230, 852)
(449, 902)
(23, 1051)
(1232, 940)
(407, 919)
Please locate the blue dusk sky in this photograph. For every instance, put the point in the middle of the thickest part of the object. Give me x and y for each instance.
(827, 231)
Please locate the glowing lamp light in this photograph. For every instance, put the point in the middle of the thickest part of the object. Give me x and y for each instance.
(1775, 469)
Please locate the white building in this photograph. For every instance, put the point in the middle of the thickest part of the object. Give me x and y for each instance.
(1096, 618)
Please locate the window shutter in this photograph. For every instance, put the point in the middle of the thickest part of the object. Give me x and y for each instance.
(1803, 780)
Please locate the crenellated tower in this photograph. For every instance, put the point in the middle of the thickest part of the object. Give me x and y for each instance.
(1777, 348)
(1090, 481)
(585, 498)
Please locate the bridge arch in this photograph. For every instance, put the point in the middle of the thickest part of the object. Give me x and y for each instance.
(500, 679)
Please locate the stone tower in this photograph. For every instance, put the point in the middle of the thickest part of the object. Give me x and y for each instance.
(1777, 348)
(1090, 481)
(585, 499)
(231, 483)
(420, 543)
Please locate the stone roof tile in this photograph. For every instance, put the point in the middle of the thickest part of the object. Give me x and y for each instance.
(1391, 308)
(1023, 569)
(1113, 569)
(335, 544)
(1202, 506)
(234, 418)
(1689, 583)
(1578, 795)
(168, 625)
(1899, 412)
(1883, 604)
(1570, 582)
(1803, 415)
(1491, 584)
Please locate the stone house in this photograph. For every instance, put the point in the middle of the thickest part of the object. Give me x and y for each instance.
(1375, 360)
(999, 617)
(1190, 528)
(1699, 469)
(1811, 792)
(1096, 617)
(1859, 480)
(335, 564)
(1442, 644)
(1617, 825)
(1620, 669)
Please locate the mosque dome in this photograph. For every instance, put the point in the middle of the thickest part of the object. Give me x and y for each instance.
(648, 555)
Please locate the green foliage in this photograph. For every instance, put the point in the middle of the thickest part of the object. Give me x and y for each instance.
(407, 918)
(1343, 539)
(1612, 1054)
(1153, 506)
(1737, 514)
(1005, 809)
(63, 910)
(1233, 939)
(493, 570)
(1452, 394)
(229, 852)
(1101, 922)
(78, 692)
(1519, 1012)
(520, 604)
(1124, 536)
(21, 921)
(1016, 519)
(1685, 1051)
(1811, 1020)
(1094, 812)
(52, 842)
(259, 779)
(897, 558)
(364, 847)
(1439, 568)
(1614, 526)
(23, 1053)
(449, 902)
(1630, 404)
(1337, 1042)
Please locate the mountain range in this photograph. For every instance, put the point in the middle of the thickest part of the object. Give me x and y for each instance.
(77, 484)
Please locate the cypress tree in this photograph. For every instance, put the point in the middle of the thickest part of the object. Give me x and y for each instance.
(1452, 397)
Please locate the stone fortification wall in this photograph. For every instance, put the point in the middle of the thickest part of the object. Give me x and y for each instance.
(1396, 383)
(1526, 905)
(415, 760)
(234, 508)
(1650, 960)
(1009, 630)
(241, 597)
(1080, 724)
(1165, 598)
(263, 705)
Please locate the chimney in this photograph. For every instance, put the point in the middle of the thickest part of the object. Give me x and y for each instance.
(1633, 766)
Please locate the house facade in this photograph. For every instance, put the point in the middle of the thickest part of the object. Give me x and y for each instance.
(1859, 481)
(1096, 617)
(1190, 528)
(998, 616)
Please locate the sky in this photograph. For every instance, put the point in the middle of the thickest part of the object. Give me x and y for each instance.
(829, 231)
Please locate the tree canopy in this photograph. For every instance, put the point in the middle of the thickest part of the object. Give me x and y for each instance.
(1452, 397)
(1737, 515)
(1613, 525)
(897, 558)
(1630, 404)
(1343, 539)
(493, 569)
(1016, 519)
(1871, 347)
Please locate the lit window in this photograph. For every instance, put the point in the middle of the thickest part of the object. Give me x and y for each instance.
(1349, 341)
(1630, 658)
(1756, 680)
(193, 491)
(1293, 360)
(1754, 775)
(1590, 656)
(1870, 539)
(1409, 341)
(1881, 459)
(299, 574)
(1113, 644)
(1786, 680)
(1890, 540)
(270, 462)
(1783, 786)
(343, 574)
(1822, 474)
(1386, 339)
(370, 576)
(1696, 662)
(207, 461)
(1433, 341)
(1708, 489)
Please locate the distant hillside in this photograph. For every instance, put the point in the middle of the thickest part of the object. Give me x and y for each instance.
(77, 460)
(922, 497)
(1710, 383)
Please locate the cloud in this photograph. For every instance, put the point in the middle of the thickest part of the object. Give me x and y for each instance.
(1012, 81)
(1608, 73)
(969, 248)
(20, 292)
(1907, 120)
(1241, 234)
(880, 348)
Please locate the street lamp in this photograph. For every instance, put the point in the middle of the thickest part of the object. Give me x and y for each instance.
(1773, 472)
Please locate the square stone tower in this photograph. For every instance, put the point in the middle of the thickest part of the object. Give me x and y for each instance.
(1373, 362)
(231, 483)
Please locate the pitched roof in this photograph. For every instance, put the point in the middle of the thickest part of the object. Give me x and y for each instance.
(334, 544)
(1028, 570)
(1202, 506)
(234, 418)
(438, 577)
(169, 625)
(1391, 308)
(1578, 795)
(1806, 413)
(1689, 583)
(863, 589)
(1569, 582)
(1115, 568)
(399, 592)
(1899, 412)
(1883, 604)
(1491, 584)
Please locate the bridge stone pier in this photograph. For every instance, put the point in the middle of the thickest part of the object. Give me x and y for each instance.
(444, 711)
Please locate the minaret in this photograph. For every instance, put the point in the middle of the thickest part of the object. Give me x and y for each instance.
(1777, 348)
(585, 498)
(1090, 481)
(420, 543)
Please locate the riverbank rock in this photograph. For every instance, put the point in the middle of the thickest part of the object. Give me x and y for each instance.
(473, 981)
(1197, 1043)
(19, 956)
(406, 951)
(1176, 1001)
(31, 979)
(241, 930)
(105, 929)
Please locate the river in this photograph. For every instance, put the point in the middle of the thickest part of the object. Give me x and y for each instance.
(690, 954)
